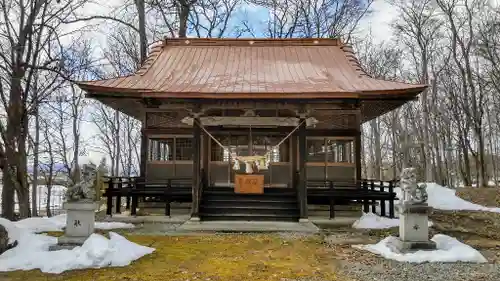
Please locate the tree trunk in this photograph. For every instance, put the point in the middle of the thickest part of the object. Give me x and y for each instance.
(34, 184)
(183, 18)
(8, 194)
(143, 41)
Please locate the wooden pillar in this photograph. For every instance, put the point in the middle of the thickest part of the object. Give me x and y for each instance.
(206, 157)
(195, 206)
(302, 169)
(357, 149)
(293, 159)
(144, 150)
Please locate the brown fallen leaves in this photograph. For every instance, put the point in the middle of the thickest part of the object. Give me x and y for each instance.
(489, 196)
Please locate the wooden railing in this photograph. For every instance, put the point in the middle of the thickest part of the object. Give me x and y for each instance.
(368, 193)
(133, 188)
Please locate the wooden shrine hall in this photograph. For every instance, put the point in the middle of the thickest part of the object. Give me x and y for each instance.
(250, 129)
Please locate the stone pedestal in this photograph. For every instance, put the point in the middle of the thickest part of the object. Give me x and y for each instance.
(414, 228)
(80, 223)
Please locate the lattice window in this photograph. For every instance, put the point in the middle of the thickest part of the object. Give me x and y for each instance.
(316, 150)
(161, 149)
(330, 150)
(171, 149)
(183, 149)
(339, 150)
(216, 152)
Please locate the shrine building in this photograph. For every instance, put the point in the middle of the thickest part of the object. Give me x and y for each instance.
(250, 129)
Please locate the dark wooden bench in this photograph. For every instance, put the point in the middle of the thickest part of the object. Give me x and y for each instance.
(170, 190)
(367, 193)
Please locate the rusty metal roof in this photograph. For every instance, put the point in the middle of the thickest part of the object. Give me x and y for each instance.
(251, 68)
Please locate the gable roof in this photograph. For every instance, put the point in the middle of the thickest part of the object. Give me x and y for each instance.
(251, 68)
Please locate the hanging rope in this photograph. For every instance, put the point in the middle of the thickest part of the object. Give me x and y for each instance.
(247, 158)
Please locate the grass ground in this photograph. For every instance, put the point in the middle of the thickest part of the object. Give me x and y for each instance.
(224, 257)
(233, 257)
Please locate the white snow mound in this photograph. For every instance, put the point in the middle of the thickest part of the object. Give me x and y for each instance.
(32, 252)
(448, 249)
(444, 198)
(57, 223)
(12, 230)
(373, 221)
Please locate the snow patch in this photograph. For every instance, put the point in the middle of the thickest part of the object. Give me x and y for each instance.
(448, 249)
(32, 252)
(12, 230)
(444, 198)
(374, 221)
(57, 223)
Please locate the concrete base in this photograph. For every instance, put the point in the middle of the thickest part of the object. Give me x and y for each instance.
(148, 219)
(248, 226)
(68, 243)
(414, 223)
(78, 240)
(80, 221)
(337, 222)
(59, 247)
(399, 246)
(303, 220)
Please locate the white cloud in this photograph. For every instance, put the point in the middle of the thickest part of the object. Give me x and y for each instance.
(378, 23)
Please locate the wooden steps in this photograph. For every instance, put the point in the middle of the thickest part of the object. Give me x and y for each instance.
(276, 204)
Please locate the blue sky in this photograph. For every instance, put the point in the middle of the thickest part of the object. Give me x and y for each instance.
(377, 24)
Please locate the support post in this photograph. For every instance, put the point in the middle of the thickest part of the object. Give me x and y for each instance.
(302, 169)
(357, 150)
(391, 201)
(382, 202)
(129, 186)
(109, 197)
(195, 207)
(144, 150)
(366, 206)
(119, 197)
(133, 207)
(332, 201)
(373, 202)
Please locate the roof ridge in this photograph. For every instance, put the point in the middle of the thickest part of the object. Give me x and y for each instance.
(153, 55)
(252, 42)
(353, 60)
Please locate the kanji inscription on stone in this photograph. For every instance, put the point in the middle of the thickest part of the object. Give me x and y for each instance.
(76, 223)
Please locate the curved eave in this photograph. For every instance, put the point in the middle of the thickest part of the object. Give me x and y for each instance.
(147, 93)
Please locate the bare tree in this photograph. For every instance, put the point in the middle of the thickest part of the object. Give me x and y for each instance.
(49, 163)
(417, 26)
(461, 22)
(25, 47)
(314, 18)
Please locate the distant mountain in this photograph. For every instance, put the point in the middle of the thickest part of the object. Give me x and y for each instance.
(44, 167)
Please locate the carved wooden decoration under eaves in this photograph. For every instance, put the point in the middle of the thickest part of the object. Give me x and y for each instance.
(168, 119)
(337, 121)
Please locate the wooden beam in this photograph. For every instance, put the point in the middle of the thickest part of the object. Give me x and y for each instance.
(195, 206)
(302, 184)
(144, 151)
(224, 131)
(357, 150)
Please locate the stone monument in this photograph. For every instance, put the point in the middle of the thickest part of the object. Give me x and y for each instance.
(80, 208)
(413, 214)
